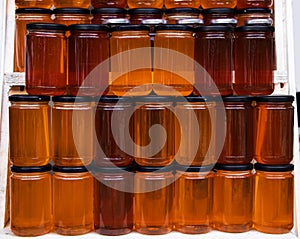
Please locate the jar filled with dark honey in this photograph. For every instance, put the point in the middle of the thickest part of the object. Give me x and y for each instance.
(218, 3)
(30, 200)
(274, 198)
(33, 3)
(145, 4)
(69, 16)
(213, 15)
(175, 14)
(274, 129)
(244, 15)
(29, 130)
(254, 4)
(108, 3)
(101, 14)
(71, 3)
(139, 14)
(46, 57)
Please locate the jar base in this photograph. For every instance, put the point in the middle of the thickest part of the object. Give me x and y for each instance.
(153, 230)
(193, 229)
(73, 231)
(113, 232)
(31, 231)
(273, 229)
(234, 228)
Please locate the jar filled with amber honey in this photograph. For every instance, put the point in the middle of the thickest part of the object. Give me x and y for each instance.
(274, 198)
(30, 200)
(33, 3)
(233, 197)
(145, 4)
(137, 15)
(175, 14)
(72, 200)
(245, 15)
(182, 3)
(213, 15)
(274, 129)
(29, 130)
(101, 14)
(71, 3)
(69, 16)
(108, 3)
(218, 3)
(254, 4)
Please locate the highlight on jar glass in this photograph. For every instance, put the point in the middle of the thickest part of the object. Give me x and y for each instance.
(218, 3)
(102, 14)
(108, 3)
(88, 59)
(130, 51)
(193, 199)
(238, 127)
(33, 3)
(46, 59)
(23, 17)
(194, 131)
(137, 15)
(214, 55)
(30, 200)
(233, 198)
(274, 129)
(274, 198)
(245, 15)
(113, 200)
(254, 60)
(175, 14)
(72, 200)
(173, 63)
(71, 3)
(154, 126)
(213, 16)
(69, 16)
(29, 130)
(145, 4)
(182, 3)
(114, 131)
(154, 187)
(241, 4)
(72, 130)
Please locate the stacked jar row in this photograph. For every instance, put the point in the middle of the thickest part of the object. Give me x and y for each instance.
(151, 200)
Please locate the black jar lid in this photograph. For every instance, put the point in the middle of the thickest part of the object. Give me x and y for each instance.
(191, 169)
(254, 10)
(46, 26)
(274, 168)
(183, 10)
(255, 28)
(108, 10)
(34, 169)
(153, 98)
(174, 27)
(33, 10)
(89, 27)
(30, 98)
(130, 28)
(71, 11)
(149, 11)
(275, 98)
(237, 98)
(113, 99)
(115, 169)
(217, 11)
(215, 28)
(190, 99)
(150, 169)
(228, 167)
(77, 169)
(72, 99)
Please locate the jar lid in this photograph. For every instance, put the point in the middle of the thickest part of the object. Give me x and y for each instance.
(228, 167)
(46, 26)
(169, 168)
(72, 99)
(259, 21)
(190, 21)
(183, 10)
(275, 98)
(33, 10)
(153, 98)
(145, 11)
(78, 169)
(130, 28)
(216, 28)
(153, 21)
(175, 27)
(217, 11)
(113, 99)
(237, 98)
(71, 11)
(255, 28)
(253, 10)
(30, 98)
(88, 27)
(35, 169)
(191, 169)
(115, 169)
(108, 10)
(191, 99)
(274, 168)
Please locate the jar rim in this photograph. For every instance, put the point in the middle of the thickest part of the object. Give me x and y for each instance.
(88, 27)
(130, 28)
(274, 168)
(174, 27)
(217, 11)
(183, 10)
(46, 26)
(108, 10)
(76, 169)
(145, 11)
(191, 169)
(72, 99)
(228, 167)
(215, 28)
(30, 98)
(255, 28)
(253, 10)
(32, 169)
(237, 98)
(71, 11)
(34, 10)
(275, 98)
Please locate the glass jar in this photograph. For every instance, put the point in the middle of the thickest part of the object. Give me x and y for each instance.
(69, 16)
(170, 42)
(88, 48)
(212, 14)
(175, 14)
(23, 17)
(193, 199)
(72, 200)
(274, 129)
(30, 200)
(72, 131)
(244, 15)
(113, 201)
(273, 198)
(71, 3)
(238, 127)
(46, 75)
(232, 202)
(130, 60)
(158, 149)
(109, 3)
(254, 60)
(112, 149)
(254, 4)
(29, 130)
(33, 3)
(182, 3)
(218, 3)
(139, 14)
(154, 187)
(145, 4)
(101, 14)
(214, 55)
(188, 135)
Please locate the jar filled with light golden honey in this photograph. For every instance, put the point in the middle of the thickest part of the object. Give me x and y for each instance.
(233, 198)
(72, 200)
(29, 130)
(175, 14)
(154, 192)
(71, 3)
(218, 3)
(182, 3)
(273, 198)
(101, 14)
(145, 4)
(31, 200)
(69, 16)
(33, 3)
(193, 199)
